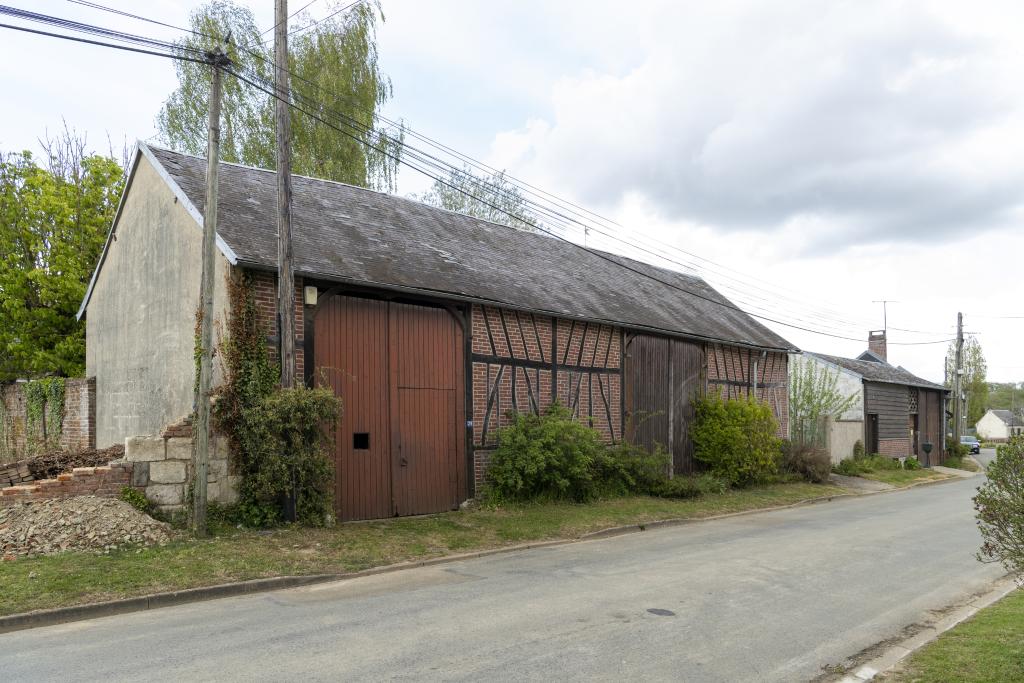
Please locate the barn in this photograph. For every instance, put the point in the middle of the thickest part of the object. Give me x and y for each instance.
(432, 326)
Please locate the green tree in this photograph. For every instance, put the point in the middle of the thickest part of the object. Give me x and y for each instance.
(53, 222)
(337, 63)
(1000, 508)
(500, 201)
(814, 394)
(974, 384)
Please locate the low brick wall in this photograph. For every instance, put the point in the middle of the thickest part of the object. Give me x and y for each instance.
(81, 481)
(895, 448)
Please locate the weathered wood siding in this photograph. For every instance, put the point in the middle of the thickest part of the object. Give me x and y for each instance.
(661, 376)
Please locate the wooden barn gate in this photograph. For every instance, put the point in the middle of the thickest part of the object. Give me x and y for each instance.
(399, 371)
(661, 376)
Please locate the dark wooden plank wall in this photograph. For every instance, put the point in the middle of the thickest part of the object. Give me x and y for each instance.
(890, 402)
(930, 424)
(661, 376)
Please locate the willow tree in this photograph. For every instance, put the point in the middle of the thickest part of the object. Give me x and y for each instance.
(336, 78)
(974, 382)
(488, 197)
(814, 394)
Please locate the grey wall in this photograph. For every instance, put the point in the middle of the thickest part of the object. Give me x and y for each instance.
(892, 404)
(140, 320)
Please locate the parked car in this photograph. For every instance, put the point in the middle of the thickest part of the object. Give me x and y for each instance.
(972, 443)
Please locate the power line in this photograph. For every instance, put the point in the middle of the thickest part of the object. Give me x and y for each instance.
(598, 254)
(429, 160)
(320, 21)
(289, 17)
(633, 240)
(102, 44)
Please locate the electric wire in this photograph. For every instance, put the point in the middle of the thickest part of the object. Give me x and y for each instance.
(820, 312)
(427, 159)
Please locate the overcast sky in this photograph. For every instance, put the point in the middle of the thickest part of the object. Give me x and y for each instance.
(823, 155)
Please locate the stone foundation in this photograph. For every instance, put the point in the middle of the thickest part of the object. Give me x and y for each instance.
(162, 468)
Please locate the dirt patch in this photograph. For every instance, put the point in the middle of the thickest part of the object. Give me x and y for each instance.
(81, 523)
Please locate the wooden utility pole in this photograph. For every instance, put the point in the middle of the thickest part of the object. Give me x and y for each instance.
(958, 374)
(285, 275)
(201, 458)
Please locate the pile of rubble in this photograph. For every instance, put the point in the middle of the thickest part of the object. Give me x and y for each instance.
(81, 523)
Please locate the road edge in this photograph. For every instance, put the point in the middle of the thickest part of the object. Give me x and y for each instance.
(894, 655)
(63, 615)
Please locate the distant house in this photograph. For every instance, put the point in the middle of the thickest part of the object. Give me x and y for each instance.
(999, 425)
(433, 326)
(901, 412)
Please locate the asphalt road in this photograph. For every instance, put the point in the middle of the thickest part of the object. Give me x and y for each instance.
(768, 597)
(986, 456)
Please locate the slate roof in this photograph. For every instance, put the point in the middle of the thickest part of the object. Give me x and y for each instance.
(874, 371)
(1008, 418)
(350, 234)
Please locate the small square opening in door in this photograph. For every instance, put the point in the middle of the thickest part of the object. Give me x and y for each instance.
(361, 441)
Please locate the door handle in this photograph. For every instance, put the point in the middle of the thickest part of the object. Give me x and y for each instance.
(401, 458)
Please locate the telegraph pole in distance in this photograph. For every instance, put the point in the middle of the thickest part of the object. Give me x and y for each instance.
(217, 59)
(285, 275)
(958, 373)
(885, 313)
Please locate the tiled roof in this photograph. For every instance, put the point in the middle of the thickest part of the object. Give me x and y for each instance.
(354, 235)
(879, 372)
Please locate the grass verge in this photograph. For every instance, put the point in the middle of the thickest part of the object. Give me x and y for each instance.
(904, 477)
(235, 555)
(987, 647)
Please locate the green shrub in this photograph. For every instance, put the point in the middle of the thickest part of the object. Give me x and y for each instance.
(858, 449)
(546, 457)
(999, 505)
(285, 441)
(812, 464)
(689, 487)
(851, 467)
(876, 462)
(911, 463)
(955, 449)
(736, 439)
(136, 498)
(954, 462)
(624, 469)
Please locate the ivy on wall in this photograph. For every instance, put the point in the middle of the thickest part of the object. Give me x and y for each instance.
(44, 413)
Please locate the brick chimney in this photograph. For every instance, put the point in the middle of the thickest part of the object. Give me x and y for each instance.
(876, 343)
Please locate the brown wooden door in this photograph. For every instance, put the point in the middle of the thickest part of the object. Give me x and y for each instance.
(399, 371)
(661, 376)
(426, 363)
(352, 354)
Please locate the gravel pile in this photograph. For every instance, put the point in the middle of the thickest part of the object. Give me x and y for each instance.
(81, 523)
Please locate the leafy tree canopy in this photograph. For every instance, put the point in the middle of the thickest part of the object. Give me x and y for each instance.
(338, 56)
(974, 383)
(53, 222)
(490, 198)
(814, 393)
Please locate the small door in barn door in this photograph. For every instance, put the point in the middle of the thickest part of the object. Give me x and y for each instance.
(426, 378)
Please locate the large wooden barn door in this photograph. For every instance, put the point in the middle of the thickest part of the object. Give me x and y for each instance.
(661, 376)
(398, 370)
(352, 354)
(426, 372)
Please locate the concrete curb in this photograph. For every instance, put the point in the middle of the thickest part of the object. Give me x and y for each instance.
(891, 658)
(62, 615)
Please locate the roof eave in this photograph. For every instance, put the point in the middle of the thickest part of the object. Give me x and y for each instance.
(456, 296)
